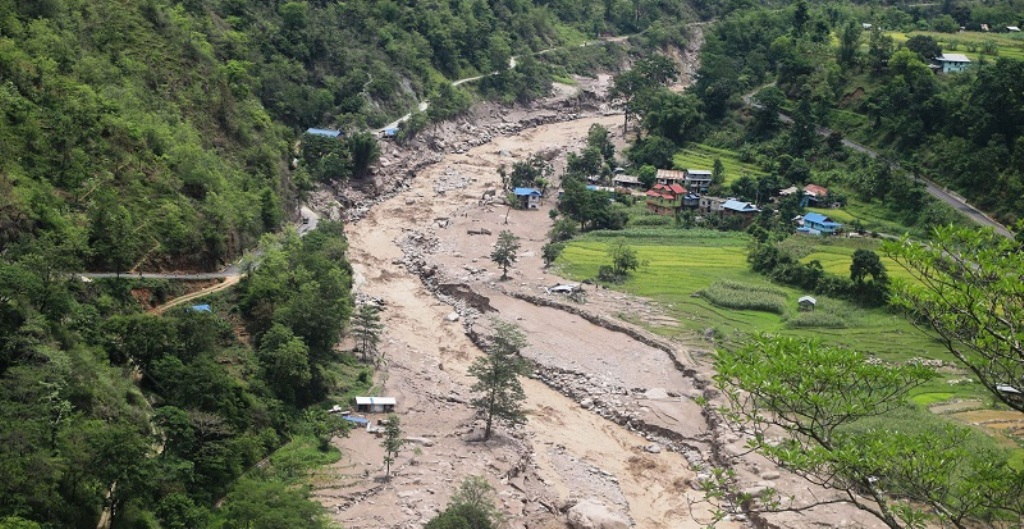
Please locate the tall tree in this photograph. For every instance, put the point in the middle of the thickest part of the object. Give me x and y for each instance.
(392, 442)
(717, 172)
(841, 415)
(849, 44)
(505, 251)
(366, 329)
(497, 375)
(969, 291)
(364, 152)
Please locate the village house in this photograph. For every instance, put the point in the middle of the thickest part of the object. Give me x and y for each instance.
(813, 194)
(697, 180)
(708, 205)
(952, 62)
(665, 199)
(735, 207)
(527, 197)
(818, 224)
(668, 176)
(740, 209)
(626, 181)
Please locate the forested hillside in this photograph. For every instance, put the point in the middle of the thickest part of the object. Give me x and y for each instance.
(840, 66)
(158, 132)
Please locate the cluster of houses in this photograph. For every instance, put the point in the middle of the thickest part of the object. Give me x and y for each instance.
(680, 190)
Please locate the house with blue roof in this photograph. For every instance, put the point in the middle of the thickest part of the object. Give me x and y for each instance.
(527, 197)
(327, 133)
(818, 224)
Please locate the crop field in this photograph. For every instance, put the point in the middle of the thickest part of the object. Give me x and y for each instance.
(700, 156)
(680, 264)
(696, 275)
(970, 43)
(836, 255)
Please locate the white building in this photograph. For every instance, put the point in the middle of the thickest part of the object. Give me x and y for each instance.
(952, 62)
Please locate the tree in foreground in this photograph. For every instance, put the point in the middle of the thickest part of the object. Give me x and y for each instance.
(970, 291)
(497, 373)
(624, 260)
(366, 329)
(850, 431)
(471, 507)
(392, 442)
(504, 252)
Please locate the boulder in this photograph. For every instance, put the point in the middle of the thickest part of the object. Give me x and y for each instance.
(589, 514)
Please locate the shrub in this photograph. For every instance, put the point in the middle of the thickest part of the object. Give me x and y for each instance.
(651, 220)
(740, 296)
(828, 314)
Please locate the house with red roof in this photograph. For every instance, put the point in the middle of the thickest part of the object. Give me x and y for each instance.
(665, 199)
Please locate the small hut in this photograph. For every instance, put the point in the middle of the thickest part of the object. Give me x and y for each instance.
(375, 404)
(807, 303)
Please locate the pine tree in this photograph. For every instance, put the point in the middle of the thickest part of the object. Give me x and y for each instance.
(392, 442)
(504, 253)
(366, 329)
(497, 374)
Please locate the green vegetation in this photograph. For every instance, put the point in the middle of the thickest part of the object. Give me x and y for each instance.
(497, 375)
(973, 44)
(701, 156)
(739, 296)
(681, 263)
(206, 408)
(848, 425)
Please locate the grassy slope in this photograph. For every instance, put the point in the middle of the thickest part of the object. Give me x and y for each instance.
(700, 156)
(1008, 44)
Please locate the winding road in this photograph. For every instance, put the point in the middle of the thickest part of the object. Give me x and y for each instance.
(955, 201)
(233, 270)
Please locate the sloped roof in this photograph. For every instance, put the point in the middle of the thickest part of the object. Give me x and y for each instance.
(808, 299)
(736, 205)
(815, 190)
(677, 189)
(526, 192)
(818, 218)
(669, 174)
(698, 172)
(626, 179)
(952, 57)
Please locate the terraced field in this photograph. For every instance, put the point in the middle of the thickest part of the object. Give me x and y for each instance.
(680, 263)
(700, 156)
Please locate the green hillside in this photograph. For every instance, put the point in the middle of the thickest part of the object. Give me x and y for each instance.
(157, 133)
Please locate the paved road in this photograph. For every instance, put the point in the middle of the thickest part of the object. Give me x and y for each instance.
(955, 201)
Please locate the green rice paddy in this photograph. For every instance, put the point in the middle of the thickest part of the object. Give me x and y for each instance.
(682, 263)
